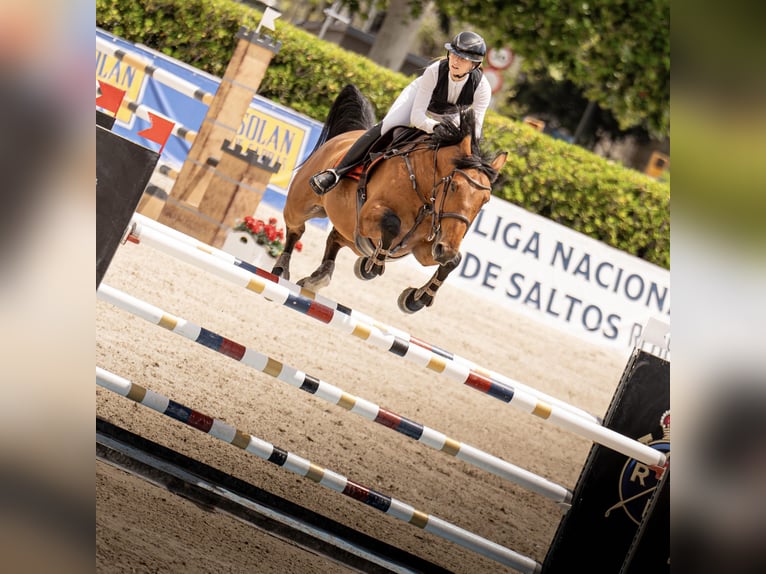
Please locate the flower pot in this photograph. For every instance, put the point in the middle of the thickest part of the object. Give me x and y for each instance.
(243, 246)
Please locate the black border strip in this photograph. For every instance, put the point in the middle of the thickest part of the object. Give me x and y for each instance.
(160, 465)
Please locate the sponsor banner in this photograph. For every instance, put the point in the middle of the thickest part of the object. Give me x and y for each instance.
(269, 129)
(561, 277)
(271, 133)
(125, 77)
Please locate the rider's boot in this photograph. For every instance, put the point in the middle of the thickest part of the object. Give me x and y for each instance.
(324, 181)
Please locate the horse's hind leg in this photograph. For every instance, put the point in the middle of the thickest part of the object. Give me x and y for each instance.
(412, 300)
(323, 274)
(282, 264)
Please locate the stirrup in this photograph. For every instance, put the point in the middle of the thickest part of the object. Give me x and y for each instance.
(321, 182)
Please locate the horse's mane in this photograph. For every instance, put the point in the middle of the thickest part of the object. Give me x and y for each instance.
(454, 134)
(350, 111)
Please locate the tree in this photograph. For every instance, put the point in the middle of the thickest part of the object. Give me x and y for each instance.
(616, 51)
(397, 32)
(399, 28)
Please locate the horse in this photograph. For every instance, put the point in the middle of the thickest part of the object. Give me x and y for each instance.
(417, 197)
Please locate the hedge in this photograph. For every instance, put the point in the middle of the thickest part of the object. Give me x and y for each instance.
(562, 182)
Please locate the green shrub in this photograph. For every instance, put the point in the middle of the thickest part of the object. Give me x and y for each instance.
(565, 183)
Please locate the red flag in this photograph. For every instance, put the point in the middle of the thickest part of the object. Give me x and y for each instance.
(159, 131)
(110, 98)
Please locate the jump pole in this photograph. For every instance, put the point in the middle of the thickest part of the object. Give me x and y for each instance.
(141, 230)
(146, 66)
(337, 396)
(523, 400)
(142, 111)
(307, 469)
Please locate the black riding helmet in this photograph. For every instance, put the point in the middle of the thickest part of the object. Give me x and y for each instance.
(468, 45)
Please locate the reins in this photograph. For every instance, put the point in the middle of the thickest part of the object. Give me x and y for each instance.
(428, 206)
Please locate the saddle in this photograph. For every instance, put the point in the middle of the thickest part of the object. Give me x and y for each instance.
(395, 142)
(389, 144)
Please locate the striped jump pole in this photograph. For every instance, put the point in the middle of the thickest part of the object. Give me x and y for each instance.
(168, 171)
(147, 67)
(273, 290)
(140, 232)
(142, 111)
(337, 396)
(305, 468)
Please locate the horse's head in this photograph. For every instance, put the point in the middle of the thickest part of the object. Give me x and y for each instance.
(465, 186)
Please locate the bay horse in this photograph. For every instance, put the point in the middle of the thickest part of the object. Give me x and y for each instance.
(418, 197)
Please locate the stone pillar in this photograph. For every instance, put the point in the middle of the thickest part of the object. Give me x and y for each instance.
(236, 186)
(204, 162)
(235, 201)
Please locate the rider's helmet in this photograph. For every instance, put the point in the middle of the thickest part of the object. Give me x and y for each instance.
(468, 45)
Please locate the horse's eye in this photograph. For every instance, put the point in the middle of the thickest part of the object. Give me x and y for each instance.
(453, 186)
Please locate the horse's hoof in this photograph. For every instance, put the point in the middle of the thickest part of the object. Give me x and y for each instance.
(281, 266)
(359, 271)
(314, 284)
(407, 302)
(281, 272)
(307, 284)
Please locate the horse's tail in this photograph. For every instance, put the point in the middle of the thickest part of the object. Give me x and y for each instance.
(350, 111)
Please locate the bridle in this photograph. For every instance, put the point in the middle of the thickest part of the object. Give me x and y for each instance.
(429, 206)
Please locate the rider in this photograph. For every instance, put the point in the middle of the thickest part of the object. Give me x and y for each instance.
(456, 80)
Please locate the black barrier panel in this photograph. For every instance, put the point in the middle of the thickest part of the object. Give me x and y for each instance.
(104, 120)
(261, 508)
(123, 169)
(614, 492)
(650, 551)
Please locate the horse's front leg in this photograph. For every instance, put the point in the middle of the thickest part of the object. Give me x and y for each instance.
(323, 274)
(412, 300)
(370, 267)
(282, 264)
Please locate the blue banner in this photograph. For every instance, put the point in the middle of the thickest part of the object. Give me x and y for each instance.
(269, 129)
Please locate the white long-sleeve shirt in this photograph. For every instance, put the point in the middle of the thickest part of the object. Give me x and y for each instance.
(411, 107)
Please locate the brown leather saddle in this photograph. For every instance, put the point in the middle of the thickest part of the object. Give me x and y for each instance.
(394, 142)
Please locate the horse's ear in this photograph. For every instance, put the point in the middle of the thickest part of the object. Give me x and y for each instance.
(499, 161)
(465, 145)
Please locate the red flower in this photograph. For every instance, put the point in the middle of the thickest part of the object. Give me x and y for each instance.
(298, 245)
(266, 234)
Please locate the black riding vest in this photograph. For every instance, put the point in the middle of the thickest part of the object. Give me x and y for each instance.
(439, 103)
